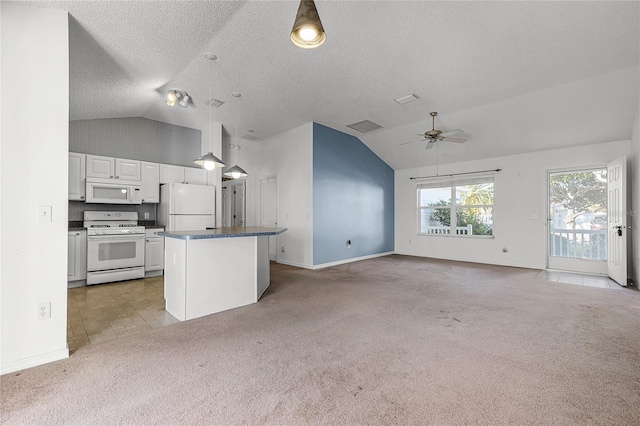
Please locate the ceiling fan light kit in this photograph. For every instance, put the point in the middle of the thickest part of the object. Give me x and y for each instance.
(308, 32)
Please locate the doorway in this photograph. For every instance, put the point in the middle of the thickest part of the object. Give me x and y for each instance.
(233, 203)
(588, 220)
(578, 223)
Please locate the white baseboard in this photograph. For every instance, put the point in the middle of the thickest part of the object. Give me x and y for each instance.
(21, 364)
(297, 265)
(354, 259)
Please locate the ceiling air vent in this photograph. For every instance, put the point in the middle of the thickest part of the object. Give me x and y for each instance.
(365, 126)
(249, 137)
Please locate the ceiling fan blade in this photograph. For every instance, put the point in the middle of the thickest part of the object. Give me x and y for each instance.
(431, 143)
(406, 143)
(452, 132)
(456, 140)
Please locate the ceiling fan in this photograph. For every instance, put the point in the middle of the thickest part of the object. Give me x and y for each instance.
(435, 135)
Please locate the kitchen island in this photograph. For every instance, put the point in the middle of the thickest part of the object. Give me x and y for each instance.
(215, 270)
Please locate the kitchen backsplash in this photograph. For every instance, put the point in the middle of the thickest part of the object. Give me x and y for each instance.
(77, 209)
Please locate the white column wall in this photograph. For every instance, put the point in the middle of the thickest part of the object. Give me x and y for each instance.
(520, 190)
(289, 156)
(33, 172)
(212, 142)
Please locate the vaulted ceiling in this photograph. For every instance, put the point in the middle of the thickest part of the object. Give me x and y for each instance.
(516, 76)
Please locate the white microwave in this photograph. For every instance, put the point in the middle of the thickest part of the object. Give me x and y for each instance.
(113, 193)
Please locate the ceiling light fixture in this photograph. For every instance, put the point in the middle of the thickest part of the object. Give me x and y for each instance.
(307, 31)
(174, 95)
(236, 171)
(208, 160)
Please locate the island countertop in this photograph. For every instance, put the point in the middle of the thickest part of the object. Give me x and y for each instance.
(225, 232)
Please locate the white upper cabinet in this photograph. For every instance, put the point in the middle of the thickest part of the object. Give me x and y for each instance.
(128, 169)
(150, 182)
(112, 168)
(195, 176)
(100, 167)
(77, 179)
(171, 174)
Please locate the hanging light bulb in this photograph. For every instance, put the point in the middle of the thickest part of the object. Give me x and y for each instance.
(236, 171)
(307, 31)
(208, 160)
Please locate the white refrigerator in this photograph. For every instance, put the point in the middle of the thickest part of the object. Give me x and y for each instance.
(187, 207)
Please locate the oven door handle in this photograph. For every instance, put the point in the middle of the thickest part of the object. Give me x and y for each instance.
(116, 237)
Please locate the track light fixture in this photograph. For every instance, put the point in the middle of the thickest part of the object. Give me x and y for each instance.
(174, 95)
(307, 31)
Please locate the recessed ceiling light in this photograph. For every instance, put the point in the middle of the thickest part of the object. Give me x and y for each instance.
(365, 126)
(235, 94)
(406, 99)
(210, 56)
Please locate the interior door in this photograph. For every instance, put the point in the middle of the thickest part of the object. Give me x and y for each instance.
(238, 203)
(617, 218)
(269, 211)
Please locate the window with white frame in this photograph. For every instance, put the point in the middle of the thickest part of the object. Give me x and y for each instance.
(456, 207)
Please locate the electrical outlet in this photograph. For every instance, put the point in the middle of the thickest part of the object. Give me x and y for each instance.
(348, 243)
(146, 215)
(282, 249)
(44, 310)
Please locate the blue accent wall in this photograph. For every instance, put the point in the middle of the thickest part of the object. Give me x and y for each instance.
(353, 198)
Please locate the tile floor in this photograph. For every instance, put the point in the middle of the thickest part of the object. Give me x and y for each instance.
(108, 311)
(579, 279)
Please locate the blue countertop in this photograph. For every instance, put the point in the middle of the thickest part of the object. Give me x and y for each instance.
(230, 232)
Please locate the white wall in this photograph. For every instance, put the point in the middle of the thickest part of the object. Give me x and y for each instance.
(520, 189)
(35, 122)
(288, 156)
(634, 220)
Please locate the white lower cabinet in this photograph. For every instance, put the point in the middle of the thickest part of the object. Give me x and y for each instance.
(77, 258)
(154, 253)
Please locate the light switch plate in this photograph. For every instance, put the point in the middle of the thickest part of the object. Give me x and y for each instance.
(44, 213)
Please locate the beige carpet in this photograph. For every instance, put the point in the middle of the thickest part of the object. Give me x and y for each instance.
(393, 340)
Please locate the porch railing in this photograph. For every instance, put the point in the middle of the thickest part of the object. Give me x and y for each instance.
(579, 243)
(446, 230)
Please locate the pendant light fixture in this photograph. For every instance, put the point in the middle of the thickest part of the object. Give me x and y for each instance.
(208, 160)
(307, 31)
(236, 171)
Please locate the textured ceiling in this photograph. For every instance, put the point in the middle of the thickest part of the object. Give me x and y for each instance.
(459, 58)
